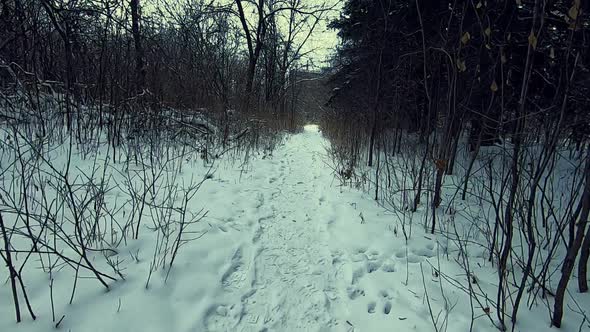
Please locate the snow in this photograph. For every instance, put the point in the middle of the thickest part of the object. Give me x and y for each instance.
(283, 247)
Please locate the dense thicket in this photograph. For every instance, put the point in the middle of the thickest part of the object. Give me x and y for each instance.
(470, 61)
(451, 77)
(182, 54)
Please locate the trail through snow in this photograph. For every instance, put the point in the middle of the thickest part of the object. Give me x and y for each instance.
(319, 257)
(284, 275)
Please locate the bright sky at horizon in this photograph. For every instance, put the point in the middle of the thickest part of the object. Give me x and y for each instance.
(324, 40)
(318, 47)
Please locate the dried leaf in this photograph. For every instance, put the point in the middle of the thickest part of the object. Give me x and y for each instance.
(494, 86)
(478, 6)
(573, 12)
(552, 53)
(461, 65)
(440, 164)
(488, 31)
(519, 2)
(466, 37)
(533, 40)
(503, 58)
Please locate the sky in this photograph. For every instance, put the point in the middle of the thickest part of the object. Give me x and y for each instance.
(321, 44)
(318, 47)
(324, 40)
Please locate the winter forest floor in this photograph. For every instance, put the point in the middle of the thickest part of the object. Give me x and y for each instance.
(283, 247)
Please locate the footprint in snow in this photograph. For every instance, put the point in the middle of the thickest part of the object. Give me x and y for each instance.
(354, 292)
(235, 276)
(371, 307)
(373, 266)
(221, 318)
(387, 308)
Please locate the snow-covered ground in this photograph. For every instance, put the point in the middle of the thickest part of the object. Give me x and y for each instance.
(282, 248)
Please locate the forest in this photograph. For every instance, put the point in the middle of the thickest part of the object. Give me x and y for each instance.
(294, 165)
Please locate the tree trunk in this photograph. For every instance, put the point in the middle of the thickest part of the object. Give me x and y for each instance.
(8, 261)
(570, 258)
(254, 47)
(376, 108)
(372, 140)
(135, 30)
(583, 264)
(70, 64)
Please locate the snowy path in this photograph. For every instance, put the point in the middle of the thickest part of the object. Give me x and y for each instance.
(284, 276)
(318, 257)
